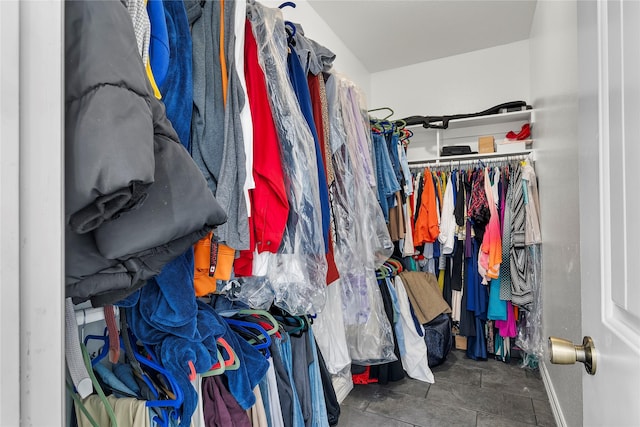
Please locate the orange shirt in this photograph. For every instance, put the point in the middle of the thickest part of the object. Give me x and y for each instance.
(426, 227)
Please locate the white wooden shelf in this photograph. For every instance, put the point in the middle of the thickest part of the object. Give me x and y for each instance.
(427, 143)
(489, 119)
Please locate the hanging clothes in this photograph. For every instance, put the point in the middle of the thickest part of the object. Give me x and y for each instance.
(391, 371)
(447, 218)
(427, 228)
(490, 255)
(177, 87)
(478, 207)
(415, 360)
(321, 117)
(530, 331)
(270, 206)
(246, 121)
(521, 296)
(505, 266)
(220, 155)
(298, 79)
(115, 242)
(220, 408)
(387, 184)
(314, 57)
(298, 271)
(362, 238)
(477, 300)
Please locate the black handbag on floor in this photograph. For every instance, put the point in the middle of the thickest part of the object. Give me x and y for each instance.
(437, 335)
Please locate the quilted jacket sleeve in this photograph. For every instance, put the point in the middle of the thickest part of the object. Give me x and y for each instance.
(109, 151)
(122, 150)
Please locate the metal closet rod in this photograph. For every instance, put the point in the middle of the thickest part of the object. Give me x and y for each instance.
(465, 162)
(84, 316)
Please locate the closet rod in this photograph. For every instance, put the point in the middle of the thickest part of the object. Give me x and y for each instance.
(85, 316)
(502, 157)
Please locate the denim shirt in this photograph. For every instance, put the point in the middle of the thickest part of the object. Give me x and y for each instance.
(386, 176)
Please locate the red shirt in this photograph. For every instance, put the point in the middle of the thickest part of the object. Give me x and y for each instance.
(269, 203)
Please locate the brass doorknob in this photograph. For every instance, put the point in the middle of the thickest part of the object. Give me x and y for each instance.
(564, 352)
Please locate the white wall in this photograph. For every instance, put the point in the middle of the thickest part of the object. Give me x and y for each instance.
(554, 90)
(317, 29)
(41, 205)
(464, 83)
(9, 214)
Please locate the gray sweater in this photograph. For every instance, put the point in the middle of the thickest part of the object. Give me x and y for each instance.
(216, 132)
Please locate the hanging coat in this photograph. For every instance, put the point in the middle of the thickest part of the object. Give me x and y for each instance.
(134, 198)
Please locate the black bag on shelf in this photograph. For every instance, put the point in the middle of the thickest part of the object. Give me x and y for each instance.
(437, 335)
(456, 150)
(442, 122)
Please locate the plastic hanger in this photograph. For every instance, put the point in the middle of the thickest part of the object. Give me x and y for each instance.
(298, 322)
(230, 364)
(216, 369)
(152, 365)
(290, 26)
(382, 272)
(97, 387)
(261, 315)
(381, 109)
(262, 341)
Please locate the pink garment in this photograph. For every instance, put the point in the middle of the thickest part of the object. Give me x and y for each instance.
(507, 327)
(490, 255)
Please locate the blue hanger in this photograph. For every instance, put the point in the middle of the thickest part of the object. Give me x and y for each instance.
(287, 3)
(289, 24)
(292, 28)
(244, 326)
(152, 364)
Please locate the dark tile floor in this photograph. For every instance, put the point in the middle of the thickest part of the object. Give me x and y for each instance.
(466, 393)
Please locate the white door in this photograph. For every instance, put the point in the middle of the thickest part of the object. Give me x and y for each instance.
(609, 121)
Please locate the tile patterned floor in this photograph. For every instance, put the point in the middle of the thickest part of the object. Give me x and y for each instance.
(466, 393)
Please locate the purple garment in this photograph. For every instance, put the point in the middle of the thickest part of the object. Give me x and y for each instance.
(507, 327)
(467, 242)
(360, 136)
(503, 195)
(219, 407)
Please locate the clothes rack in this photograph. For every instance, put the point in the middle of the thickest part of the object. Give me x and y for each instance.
(456, 161)
(88, 315)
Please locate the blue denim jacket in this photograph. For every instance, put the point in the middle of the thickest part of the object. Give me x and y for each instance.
(386, 176)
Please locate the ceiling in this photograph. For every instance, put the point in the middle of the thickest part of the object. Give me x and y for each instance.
(391, 34)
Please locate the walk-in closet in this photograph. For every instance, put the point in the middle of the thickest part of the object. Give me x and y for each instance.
(318, 213)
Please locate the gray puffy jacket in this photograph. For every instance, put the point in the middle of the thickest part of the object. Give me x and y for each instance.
(134, 198)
